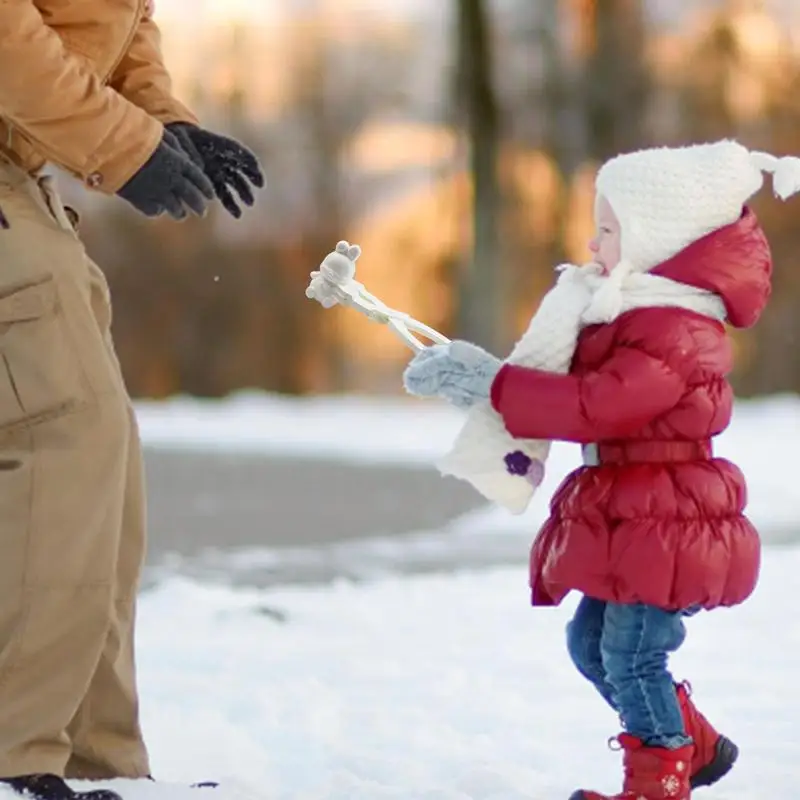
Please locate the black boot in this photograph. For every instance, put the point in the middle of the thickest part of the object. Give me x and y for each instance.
(50, 787)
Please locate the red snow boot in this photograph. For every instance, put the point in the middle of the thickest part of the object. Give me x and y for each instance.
(651, 773)
(714, 755)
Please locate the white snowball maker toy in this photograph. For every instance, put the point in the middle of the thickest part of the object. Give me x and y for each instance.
(334, 283)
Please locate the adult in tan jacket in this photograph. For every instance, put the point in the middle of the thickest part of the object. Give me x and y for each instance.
(82, 86)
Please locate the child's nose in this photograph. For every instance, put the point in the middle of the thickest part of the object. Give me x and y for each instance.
(593, 245)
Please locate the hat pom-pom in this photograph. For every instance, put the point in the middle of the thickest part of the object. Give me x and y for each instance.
(786, 178)
(785, 172)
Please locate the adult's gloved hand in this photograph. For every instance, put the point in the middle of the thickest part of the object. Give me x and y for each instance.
(225, 161)
(169, 182)
(461, 372)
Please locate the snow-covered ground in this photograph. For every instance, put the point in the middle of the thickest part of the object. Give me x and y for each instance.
(442, 687)
(437, 687)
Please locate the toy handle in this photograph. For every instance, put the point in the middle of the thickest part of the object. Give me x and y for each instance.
(346, 291)
(401, 329)
(400, 324)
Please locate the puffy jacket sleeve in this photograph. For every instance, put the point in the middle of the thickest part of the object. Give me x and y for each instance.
(631, 389)
(54, 98)
(143, 78)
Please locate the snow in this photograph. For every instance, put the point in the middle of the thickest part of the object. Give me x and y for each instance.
(444, 687)
(393, 431)
(360, 429)
(434, 687)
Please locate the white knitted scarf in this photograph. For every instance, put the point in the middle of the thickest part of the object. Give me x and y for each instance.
(506, 470)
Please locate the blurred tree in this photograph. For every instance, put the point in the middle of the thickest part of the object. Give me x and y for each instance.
(748, 89)
(465, 239)
(593, 85)
(215, 305)
(609, 40)
(338, 78)
(480, 287)
(580, 92)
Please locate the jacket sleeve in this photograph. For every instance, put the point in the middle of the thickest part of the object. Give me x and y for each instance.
(56, 101)
(631, 389)
(143, 79)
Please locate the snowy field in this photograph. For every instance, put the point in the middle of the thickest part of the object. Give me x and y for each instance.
(446, 686)
(434, 688)
(761, 440)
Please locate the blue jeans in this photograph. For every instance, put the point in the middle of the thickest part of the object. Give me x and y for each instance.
(622, 650)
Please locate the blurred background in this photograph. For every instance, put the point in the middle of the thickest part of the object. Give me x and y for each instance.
(456, 141)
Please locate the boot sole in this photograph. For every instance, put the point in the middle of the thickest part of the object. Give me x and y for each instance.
(722, 763)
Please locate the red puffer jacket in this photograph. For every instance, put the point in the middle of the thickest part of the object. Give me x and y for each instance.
(659, 520)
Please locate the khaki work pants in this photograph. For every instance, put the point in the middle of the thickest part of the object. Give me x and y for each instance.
(72, 507)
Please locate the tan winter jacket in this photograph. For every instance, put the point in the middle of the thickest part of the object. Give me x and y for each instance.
(83, 86)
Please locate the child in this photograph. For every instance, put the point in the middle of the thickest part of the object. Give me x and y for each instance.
(651, 528)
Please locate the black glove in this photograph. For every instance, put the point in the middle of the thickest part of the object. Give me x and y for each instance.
(168, 182)
(224, 160)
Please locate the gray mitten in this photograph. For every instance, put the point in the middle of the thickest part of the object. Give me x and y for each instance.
(460, 372)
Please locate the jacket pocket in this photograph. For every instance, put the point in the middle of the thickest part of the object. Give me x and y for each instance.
(40, 374)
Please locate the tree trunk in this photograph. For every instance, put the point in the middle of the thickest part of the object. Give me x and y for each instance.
(480, 300)
(616, 81)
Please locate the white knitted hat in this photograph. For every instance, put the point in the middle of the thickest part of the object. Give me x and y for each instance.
(666, 198)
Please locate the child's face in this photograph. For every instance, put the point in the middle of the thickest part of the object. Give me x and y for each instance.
(606, 245)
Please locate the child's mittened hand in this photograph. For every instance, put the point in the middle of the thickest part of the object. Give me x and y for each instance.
(461, 372)
(423, 375)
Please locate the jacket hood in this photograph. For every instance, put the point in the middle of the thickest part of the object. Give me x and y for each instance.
(734, 262)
